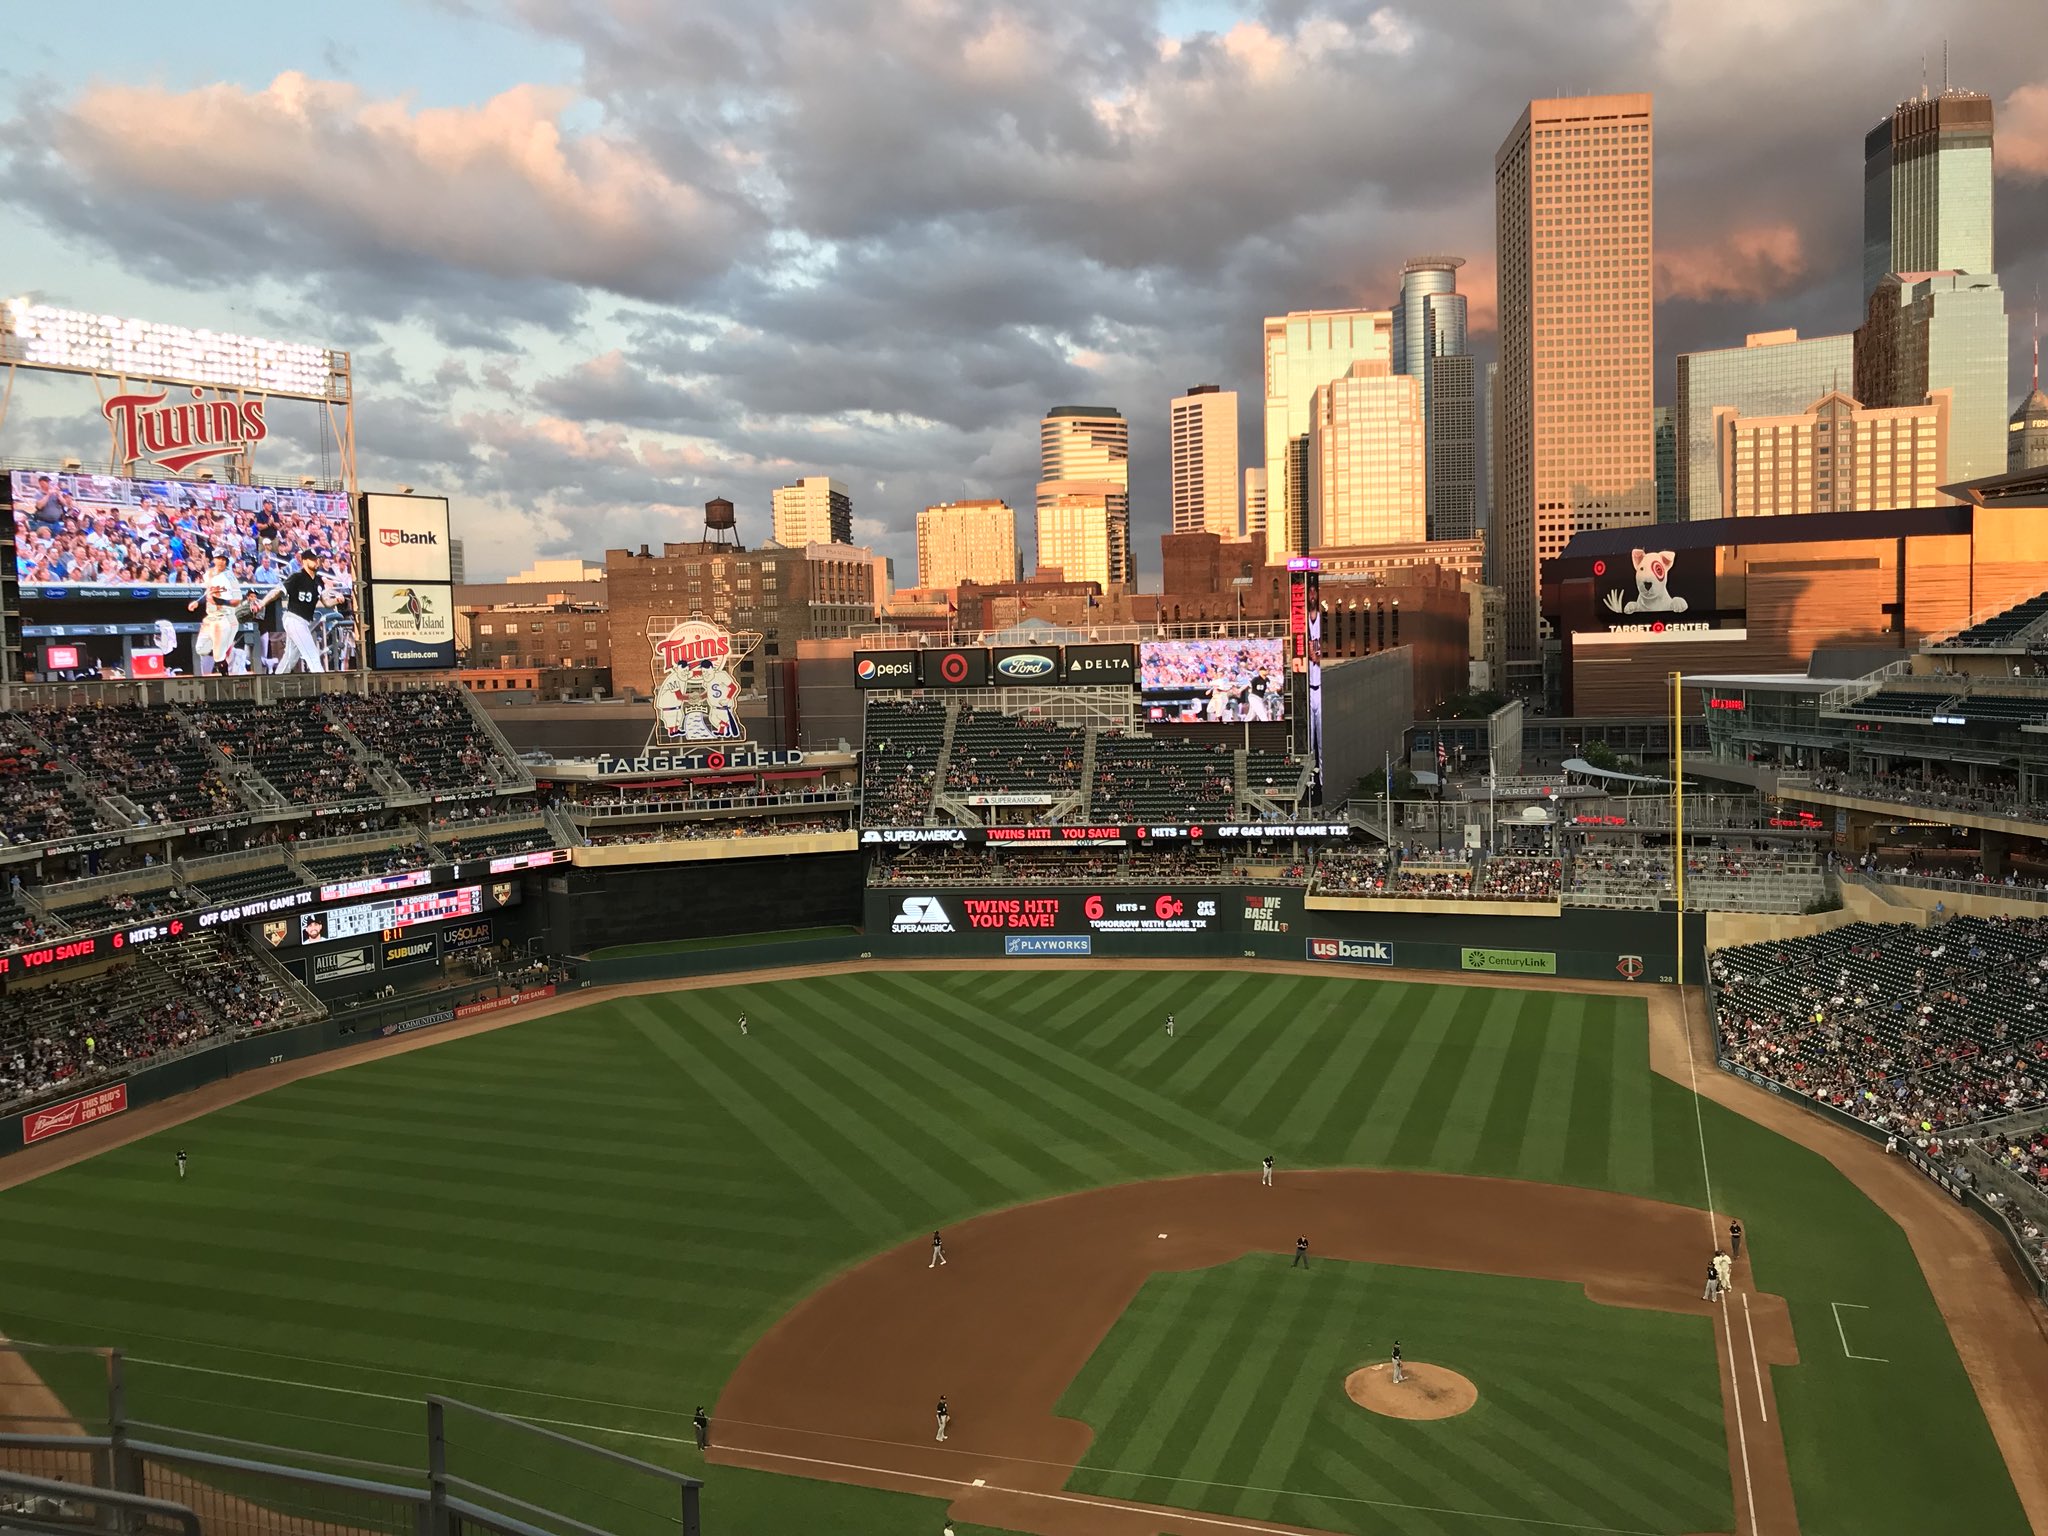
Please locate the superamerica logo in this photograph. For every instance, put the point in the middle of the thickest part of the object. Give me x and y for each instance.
(922, 914)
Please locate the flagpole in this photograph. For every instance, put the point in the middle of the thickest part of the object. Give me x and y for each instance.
(1678, 808)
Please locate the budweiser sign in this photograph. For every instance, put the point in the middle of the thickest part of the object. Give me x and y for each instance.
(179, 436)
(41, 1124)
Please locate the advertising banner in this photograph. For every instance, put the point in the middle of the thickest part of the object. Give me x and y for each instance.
(1071, 913)
(1046, 944)
(1214, 680)
(887, 669)
(418, 951)
(1026, 666)
(466, 936)
(1656, 592)
(1527, 962)
(405, 538)
(509, 1000)
(412, 627)
(41, 1124)
(1099, 666)
(1352, 951)
(341, 963)
(956, 667)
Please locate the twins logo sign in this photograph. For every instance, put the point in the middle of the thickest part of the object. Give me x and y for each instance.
(698, 697)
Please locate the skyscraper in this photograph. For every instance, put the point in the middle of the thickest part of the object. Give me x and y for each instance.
(1576, 448)
(1075, 531)
(1365, 459)
(1255, 504)
(1429, 345)
(1304, 350)
(1090, 445)
(1773, 373)
(813, 510)
(1834, 456)
(1665, 433)
(1203, 424)
(2026, 435)
(1927, 187)
(966, 541)
(1927, 331)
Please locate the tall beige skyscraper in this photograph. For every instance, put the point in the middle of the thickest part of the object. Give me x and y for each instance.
(813, 510)
(1082, 448)
(1365, 459)
(1255, 502)
(1203, 426)
(966, 541)
(1306, 349)
(1076, 534)
(1576, 448)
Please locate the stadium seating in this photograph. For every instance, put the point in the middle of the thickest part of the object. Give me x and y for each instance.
(1918, 1031)
(901, 760)
(291, 743)
(1901, 704)
(998, 753)
(38, 803)
(2004, 629)
(85, 913)
(246, 884)
(428, 735)
(1143, 778)
(141, 754)
(164, 1000)
(484, 843)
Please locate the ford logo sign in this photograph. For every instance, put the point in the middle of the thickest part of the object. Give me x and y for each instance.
(1028, 665)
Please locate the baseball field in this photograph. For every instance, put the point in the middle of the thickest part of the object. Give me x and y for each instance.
(604, 1218)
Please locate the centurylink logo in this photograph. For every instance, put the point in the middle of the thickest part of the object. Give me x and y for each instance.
(1025, 664)
(922, 914)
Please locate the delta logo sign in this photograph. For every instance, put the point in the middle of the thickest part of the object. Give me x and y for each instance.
(178, 436)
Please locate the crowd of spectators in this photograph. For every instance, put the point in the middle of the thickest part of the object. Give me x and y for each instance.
(699, 831)
(37, 802)
(1354, 871)
(1916, 1031)
(900, 763)
(1147, 778)
(140, 754)
(291, 743)
(427, 734)
(1894, 865)
(1514, 877)
(994, 753)
(67, 1036)
(1938, 793)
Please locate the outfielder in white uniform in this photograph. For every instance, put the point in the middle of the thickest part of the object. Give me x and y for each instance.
(215, 646)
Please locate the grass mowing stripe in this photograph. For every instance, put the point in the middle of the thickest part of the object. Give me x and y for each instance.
(1594, 1457)
(1541, 1154)
(1631, 1149)
(891, 1131)
(1222, 1307)
(1093, 1022)
(1588, 1142)
(1113, 1100)
(1337, 1084)
(1470, 1111)
(1109, 1385)
(1249, 1361)
(1448, 1069)
(1395, 1499)
(780, 1141)
(1274, 1079)
(1273, 1466)
(1379, 1120)
(1204, 1031)
(1041, 1161)
(1218, 1071)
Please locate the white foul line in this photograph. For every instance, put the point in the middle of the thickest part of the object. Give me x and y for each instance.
(1844, 1337)
(1761, 1407)
(1741, 1434)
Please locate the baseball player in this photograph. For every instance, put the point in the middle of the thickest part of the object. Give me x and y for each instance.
(181, 1162)
(1266, 1171)
(1169, 1026)
(302, 603)
(702, 1423)
(945, 1415)
(1300, 1253)
(1735, 1239)
(215, 647)
(1398, 1377)
(938, 1258)
(743, 1023)
(1724, 1270)
(1713, 1290)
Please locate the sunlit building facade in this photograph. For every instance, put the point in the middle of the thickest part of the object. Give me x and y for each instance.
(1773, 373)
(1075, 533)
(1927, 188)
(813, 510)
(1835, 456)
(1090, 445)
(1305, 350)
(966, 541)
(1366, 459)
(1203, 426)
(1429, 345)
(1576, 449)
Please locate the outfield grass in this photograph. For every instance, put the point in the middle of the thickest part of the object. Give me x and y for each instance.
(1588, 1416)
(589, 1218)
(732, 941)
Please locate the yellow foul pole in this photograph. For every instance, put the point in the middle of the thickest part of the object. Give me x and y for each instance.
(1678, 807)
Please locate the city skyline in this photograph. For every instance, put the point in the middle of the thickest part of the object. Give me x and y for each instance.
(661, 299)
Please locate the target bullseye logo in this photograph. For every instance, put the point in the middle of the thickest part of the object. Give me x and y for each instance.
(1599, 567)
(953, 668)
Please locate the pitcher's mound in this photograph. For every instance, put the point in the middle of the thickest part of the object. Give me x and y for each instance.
(1425, 1391)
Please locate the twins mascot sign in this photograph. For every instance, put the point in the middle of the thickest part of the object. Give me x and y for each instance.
(698, 696)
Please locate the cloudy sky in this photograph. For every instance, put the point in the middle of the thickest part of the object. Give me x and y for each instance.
(599, 260)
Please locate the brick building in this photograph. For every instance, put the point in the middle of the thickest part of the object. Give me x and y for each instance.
(559, 646)
(816, 591)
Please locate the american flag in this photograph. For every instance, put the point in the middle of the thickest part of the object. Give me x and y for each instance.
(1442, 757)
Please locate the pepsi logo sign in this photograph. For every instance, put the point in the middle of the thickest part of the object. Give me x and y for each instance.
(865, 671)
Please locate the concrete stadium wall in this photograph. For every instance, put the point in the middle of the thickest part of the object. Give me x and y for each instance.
(592, 908)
